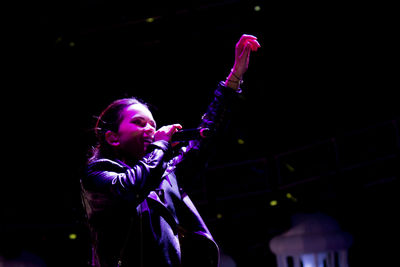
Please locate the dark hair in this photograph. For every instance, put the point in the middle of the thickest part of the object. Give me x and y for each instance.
(109, 120)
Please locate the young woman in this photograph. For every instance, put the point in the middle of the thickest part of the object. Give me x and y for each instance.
(137, 210)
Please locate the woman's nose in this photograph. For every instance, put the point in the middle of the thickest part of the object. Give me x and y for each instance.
(150, 128)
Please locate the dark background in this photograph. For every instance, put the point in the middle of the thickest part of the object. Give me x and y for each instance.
(319, 118)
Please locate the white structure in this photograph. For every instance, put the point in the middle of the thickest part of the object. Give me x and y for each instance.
(226, 261)
(315, 240)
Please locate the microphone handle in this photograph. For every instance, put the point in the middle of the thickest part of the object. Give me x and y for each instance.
(190, 134)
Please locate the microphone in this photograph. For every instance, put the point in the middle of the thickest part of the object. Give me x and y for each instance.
(191, 134)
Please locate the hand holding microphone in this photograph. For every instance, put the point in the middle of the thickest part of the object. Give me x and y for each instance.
(165, 133)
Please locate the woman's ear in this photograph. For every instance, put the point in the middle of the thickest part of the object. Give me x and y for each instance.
(112, 138)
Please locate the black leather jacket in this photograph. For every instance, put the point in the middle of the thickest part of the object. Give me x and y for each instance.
(140, 215)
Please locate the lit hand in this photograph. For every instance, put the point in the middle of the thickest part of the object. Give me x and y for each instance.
(165, 133)
(244, 46)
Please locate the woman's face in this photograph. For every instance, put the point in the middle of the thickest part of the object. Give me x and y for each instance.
(136, 131)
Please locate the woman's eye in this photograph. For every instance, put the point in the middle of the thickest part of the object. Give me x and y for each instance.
(139, 123)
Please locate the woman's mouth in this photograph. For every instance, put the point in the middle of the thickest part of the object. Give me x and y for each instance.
(148, 140)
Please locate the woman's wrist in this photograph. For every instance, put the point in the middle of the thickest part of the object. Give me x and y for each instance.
(233, 80)
(237, 72)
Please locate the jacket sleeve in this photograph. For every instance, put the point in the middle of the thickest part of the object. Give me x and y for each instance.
(105, 177)
(218, 110)
(197, 153)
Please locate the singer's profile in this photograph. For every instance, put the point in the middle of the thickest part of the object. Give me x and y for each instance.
(137, 212)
